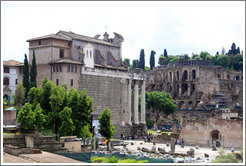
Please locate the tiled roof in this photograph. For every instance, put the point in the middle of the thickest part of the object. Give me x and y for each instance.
(65, 60)
(86, 38)
(51, 36)
(12, 63)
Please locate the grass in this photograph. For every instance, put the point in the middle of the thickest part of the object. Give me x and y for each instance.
(47, 132)
(113, 159)
(155, 132)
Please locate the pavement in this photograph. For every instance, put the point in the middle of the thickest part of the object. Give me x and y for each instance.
(198, 152)
(45, 157)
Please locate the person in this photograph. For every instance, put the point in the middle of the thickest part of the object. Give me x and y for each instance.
(175, 141)
(182, 141)
(178, 141)
(123, 137)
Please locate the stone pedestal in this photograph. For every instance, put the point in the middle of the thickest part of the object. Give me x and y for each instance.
(172, 145)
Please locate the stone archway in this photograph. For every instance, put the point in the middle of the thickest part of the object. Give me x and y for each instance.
(216, 136)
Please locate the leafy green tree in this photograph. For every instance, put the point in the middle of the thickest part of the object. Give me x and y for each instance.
(106, 128)
(127, 61)
(224, 61)
(81, 105)
(34, 96)
(39, 117)
(204, 54)
(142, 59)
(234, 50)
(173, 59)
(33, 72)
(160, 102)
(165, 53)
(19, 96)
(194, 56)
(237, 62)
(67, 126)
(26, 117)
(225, 158)
(135, 64)
(163, 60)
(152, 59)
(26, 76)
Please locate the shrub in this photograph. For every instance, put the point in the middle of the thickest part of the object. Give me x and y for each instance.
(225, 158)
(96, 159)
(113, 159)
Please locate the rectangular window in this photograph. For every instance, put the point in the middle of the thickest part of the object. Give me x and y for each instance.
(54, 68)
(61, 53)
(57, 68)
(57, 81)
(39, 42)
(6, 69)
(60, 68)
(68, 68)
(20, 70)
(16, 81)
(75, 69)
(71, 68)
(71, 82)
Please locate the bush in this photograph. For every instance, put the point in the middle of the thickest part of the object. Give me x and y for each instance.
(113, 159)
(225, 158)
(96, 159)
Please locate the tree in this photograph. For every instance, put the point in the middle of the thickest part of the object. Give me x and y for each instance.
(19, 96)
(224, 61)
(163, 60)
(135, 64)
(26, 76)
(233, 50)
(127, 61)
(67, 126)
(204, 54)
(217, 53)
(33, 72)
(81, 105)
(152, 59)
(237, 62)
(34, 96)
(106, 128)
(142, 59)
(39, 117)
(165, 53)
(173, 59)
(26, 117)
(160, 102)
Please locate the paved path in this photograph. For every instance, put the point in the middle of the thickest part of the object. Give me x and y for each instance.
(45, 157)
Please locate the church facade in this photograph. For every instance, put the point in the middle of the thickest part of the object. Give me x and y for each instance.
(96, 65)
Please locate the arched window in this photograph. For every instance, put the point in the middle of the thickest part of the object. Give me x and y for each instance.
(57, 68)
(6, 69)
(6, 81)
(219, 76)
(171, 76)
(71, 68)
(185, 75)
(228, 76)
(170, 88)
(237, 78)
(194, 74)
(177, 75)
(75, 69)
(68, 68)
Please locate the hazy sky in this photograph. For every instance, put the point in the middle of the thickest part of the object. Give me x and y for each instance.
(179, 27)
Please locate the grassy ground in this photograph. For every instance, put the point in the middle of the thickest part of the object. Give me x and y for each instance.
(154, 132)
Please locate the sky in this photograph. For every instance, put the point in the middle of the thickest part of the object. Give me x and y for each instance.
(183, 27)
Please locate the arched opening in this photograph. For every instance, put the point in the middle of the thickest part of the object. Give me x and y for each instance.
(190, 104)
(6, 81)
(177, 75)
(194, 74)
(237, 78)
(170, 88)
(242, 78)
(228, 76)
(216, 137)
(218, 76)
(7, 98)
(170, 76)
(193, 87)
(177, 88)
(185, 75)
(184, 88)
(181, 104)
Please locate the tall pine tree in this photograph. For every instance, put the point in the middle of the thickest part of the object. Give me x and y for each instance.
(142, 59)
(26, 76)
(33, 72)
(152, 59)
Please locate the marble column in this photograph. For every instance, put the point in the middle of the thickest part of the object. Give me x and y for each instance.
(136, 102)
(130, 102)
(143, 103)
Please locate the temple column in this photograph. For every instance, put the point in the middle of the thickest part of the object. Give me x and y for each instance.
(136, 103)
(130, 102)
(143, 103)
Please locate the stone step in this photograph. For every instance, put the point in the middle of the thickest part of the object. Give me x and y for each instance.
(48, 145)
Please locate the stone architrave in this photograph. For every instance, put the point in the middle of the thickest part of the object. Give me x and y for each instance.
(136, 103)
(143, 103)
(129, 102)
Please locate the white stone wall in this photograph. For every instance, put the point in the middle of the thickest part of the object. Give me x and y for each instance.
(12, 75)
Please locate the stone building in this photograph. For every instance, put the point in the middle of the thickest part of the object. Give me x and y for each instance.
(12, 76)
(198, 84)
(96, 65)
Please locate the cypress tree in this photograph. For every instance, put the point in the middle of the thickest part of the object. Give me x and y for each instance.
(142, 59)
(26, 76)
(165, 53)
(33, 72)
(152, 59)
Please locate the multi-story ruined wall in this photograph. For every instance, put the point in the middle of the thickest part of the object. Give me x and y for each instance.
(193, 84)
(229, 133)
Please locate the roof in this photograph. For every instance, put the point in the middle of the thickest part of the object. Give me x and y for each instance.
(51, 36)
(12, 63)
(86, 38)
(66, 60)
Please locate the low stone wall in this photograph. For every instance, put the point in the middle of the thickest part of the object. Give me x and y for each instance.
(14, 150)
(164, 137)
